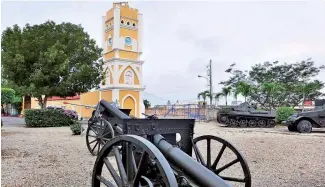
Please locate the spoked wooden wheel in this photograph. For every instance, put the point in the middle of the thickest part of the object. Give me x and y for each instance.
(223, 159)
(139, 164)
(97, 135)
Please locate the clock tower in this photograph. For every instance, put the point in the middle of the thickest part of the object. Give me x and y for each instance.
(122, 44)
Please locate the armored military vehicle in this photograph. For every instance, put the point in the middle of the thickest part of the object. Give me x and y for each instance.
(245, 115)
(303, 122)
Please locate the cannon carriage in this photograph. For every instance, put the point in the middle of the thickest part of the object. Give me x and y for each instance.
(159, 152)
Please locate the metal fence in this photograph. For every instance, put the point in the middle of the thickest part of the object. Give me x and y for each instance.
(185, 111)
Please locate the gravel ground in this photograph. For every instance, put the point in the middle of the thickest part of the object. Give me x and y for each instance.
(53, 157)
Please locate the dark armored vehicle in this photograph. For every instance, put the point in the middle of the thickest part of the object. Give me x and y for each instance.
(246, 115)
(303, 122)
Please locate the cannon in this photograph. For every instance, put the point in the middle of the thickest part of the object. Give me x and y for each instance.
(161, 152)
(245, 115)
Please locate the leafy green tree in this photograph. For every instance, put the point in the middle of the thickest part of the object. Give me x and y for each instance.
(288, 75)
(51, 60)
(146, 103)
(307, 90)
(225, 92)
(7, 97)
(272, 89)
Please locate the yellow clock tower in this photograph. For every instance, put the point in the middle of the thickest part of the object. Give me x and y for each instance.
(122, 44)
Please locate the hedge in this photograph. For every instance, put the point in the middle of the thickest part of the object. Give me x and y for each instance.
(283, 113)
(46, 118)
(75, 128)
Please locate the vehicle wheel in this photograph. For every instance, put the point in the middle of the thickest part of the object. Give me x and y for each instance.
(261, 123)
(233, 123)
(271, 123)
(292, 128)
(222, 119)
(304, 126)
(252, 123)
(243, 123)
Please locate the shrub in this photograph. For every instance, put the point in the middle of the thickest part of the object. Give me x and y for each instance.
(283, 113)
(76, 128)
(46, 118)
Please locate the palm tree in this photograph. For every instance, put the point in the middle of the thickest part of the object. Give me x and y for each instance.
(204, 95)
(146, 103)
(217, 96)
(235, 92)
(226, 91)
(244, 89)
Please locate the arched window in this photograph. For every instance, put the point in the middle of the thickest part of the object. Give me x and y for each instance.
(128, 77)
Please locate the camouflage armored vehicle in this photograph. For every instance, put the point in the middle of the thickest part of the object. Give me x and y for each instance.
(246, 115)
(303, 122)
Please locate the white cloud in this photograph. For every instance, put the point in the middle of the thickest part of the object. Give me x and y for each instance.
(181, 37)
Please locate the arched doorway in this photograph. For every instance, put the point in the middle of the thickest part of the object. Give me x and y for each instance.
(129, 103)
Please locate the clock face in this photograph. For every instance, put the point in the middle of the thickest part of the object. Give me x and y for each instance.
(110, 41)
(128, 41)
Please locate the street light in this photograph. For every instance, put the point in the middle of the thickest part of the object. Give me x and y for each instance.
(200, 76)
(210, 85)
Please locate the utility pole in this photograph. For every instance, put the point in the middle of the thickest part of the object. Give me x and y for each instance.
(209, 79)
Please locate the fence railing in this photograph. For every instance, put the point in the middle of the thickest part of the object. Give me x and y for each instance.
(187, 111)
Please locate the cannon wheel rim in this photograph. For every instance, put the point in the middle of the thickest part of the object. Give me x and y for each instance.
(225, 144)
(167, 175)
(100, 140)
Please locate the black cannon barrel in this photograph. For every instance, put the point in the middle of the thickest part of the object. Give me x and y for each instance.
(113, 110)
(197, 172)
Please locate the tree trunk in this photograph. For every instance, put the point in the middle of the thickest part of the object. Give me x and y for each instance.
(226, 101)
(245, 99)
(42, 102)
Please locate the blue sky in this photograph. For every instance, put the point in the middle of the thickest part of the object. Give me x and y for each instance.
(180, 37)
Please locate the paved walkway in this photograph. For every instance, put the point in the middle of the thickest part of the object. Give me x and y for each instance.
(13, 121)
